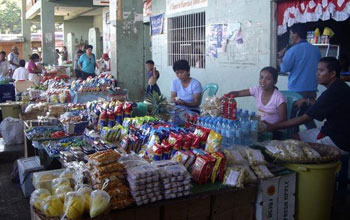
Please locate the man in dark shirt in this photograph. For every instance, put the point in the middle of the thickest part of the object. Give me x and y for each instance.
(333, 105)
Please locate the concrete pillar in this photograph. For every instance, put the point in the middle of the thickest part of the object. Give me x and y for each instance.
(48, 31)
(27, 47)
(94, 40)
(71, 45)
(127, 45)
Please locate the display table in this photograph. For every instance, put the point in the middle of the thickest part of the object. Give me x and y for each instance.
(213, 202)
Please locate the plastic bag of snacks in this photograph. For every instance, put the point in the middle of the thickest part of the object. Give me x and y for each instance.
(99, 202)
(61, 191)
(234, 157)
(262, 172)
(37, 197)
(213, 142)
(57, 182)
(235, 177)
(74, 205)
(255, 157)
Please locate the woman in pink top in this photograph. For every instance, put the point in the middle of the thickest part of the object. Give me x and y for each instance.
(270, 102)
(34, 71)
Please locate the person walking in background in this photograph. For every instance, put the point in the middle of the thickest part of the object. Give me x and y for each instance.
(77, 70)
(5, 68)
(21, 73)
(152, 78)
(301, 61)
(87, 63)
(13, 58)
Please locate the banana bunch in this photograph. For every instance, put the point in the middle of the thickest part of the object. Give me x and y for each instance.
(74, 205)
(52, 206)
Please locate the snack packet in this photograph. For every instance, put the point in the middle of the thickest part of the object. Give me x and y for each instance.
(213, 142)
(262, 172)
(235, 177)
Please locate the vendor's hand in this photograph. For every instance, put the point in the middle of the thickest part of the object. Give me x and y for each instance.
(180, 102)
(267, 126)
(299, 103)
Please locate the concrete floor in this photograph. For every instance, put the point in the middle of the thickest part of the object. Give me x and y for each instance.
(14, 206)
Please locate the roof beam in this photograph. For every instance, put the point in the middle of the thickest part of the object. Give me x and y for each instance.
(77, 14)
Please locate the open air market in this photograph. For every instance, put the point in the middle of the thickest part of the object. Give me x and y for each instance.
(174, 109)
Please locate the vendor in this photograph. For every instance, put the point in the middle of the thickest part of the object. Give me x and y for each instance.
(21, 73)
(33, 69)
(106, 61)
(64, 53)
(185, 90)
(270, 102)
(333, 105)
(87, 63)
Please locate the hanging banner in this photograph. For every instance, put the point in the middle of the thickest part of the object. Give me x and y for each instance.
(101, 2)
(157, 23)
(147, 8)
(174, 6)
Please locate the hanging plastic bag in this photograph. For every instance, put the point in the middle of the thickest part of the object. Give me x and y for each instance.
(74, 205)
(99, 202)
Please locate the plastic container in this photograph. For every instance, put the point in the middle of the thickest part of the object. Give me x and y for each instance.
(140, 110)
(11, 109)
(315, 188)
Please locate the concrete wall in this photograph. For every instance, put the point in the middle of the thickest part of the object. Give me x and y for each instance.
(106, 31)
(237, 68)
(98, 23)
(79, 26)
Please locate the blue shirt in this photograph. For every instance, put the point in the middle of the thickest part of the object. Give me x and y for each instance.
(87, 64)
(301, 62)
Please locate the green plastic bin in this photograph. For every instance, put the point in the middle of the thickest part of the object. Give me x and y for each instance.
(315, 188)
(140, 110)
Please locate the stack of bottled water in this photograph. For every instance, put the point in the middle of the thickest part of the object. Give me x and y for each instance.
(242, 131)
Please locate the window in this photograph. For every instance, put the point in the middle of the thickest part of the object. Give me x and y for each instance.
(186, 39)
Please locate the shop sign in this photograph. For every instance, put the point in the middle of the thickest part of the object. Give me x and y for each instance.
(101, 2)
(174, 6)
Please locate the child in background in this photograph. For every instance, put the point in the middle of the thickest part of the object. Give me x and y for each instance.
(270, 102)
(152, 77)
(21, 73)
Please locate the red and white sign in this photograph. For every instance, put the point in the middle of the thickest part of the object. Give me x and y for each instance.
(297, 11)
(101, 2)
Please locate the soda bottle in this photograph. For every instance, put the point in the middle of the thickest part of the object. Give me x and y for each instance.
(224, 106)
(232, 107)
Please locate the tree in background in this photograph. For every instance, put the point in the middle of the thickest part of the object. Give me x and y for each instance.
(10, 17)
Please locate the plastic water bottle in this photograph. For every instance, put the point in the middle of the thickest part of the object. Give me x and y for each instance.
(232, 139)
(254, 126)
(228, 133)
(238, 133)
(239, 114)
(217, 127)
(245, 127)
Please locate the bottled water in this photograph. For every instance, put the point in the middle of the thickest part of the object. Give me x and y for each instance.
(238, 133)
(217, 127)
(254, 123)
(239, 114)
(245, 126)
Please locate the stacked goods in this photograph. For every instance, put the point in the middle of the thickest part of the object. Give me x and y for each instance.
(102, 82)
(144, 184)
(175, 181)
(108, 174)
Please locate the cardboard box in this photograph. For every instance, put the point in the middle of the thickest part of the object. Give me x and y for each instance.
(276, 196)
(26, 167)
(267, 199)
(286, 196)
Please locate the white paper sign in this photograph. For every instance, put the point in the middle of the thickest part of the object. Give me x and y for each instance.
(174, 6)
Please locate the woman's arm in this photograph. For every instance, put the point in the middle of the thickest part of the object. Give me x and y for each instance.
(282, 112)
(290, 123)
(240, 93)
(173, 96)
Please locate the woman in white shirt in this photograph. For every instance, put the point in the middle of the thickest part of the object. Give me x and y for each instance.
(21, 73)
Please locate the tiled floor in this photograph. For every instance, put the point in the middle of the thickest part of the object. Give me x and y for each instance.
(14, 206)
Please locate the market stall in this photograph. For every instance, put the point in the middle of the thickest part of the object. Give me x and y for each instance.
(98, 160)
